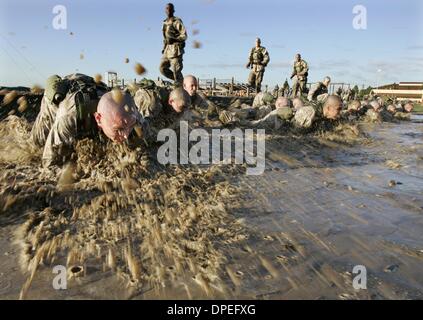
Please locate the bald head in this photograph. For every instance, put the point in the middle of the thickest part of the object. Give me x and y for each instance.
(391, 109)
(375, 105)
(354, 105)
(116, 117)
(297, 103)
(179, 99)
(408, 107)
(332, 107)
(282, 102)
(190, 85)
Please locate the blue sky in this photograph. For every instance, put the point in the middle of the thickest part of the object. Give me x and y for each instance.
(107, 32)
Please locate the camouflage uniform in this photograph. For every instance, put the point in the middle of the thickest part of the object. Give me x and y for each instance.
(200, 101)
(347, 95)
(258, 60)
(311, 118)
(318, 92)
(174, 35)
(284, 91)
(299, 75)
(274, 120)
(152, 104)
(275, 92)
(263, 99)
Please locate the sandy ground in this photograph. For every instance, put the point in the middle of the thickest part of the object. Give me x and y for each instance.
(321, 207)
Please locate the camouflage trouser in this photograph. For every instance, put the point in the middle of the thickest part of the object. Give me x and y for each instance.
(171, 68)
(270, 121)
(322, 97)
(43, 122)
(255, 78)
(298, 86)
(55, 129)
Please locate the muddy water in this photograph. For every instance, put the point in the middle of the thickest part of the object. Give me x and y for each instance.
(319, 209)
(341, 207)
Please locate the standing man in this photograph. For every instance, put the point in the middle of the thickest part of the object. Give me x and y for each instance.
(258, 60)
(174, 37)
(299, 76)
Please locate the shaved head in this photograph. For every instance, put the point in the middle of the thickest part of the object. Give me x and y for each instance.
(375, 105)
(116, 118)
(282, 102)
(179, 99)
(408, 107)
(332, 107)
(190, 85)
(391, 108)
(354, 105)
(297, 103)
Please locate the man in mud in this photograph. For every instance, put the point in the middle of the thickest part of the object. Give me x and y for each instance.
(198, 99)
(275, 119)
(175, 35)
(318, 114)
(257, 62)
(297, 103)
(319, 91)
(299, 76)
(215, 115)
(81, 114)
(163, 107)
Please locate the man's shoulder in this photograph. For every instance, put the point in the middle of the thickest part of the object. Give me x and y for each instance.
(177, 20)
(201, 95)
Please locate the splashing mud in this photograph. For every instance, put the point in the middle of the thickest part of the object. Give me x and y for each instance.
(117, 208)
(16, 146)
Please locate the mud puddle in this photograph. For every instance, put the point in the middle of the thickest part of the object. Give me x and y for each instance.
(131, 229)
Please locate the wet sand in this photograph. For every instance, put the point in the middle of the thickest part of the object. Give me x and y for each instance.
(321, 207)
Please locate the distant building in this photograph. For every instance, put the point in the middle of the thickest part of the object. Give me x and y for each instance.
(402, 91)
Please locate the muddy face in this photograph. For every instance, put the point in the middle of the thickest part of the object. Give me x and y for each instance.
(375, 105)
(354, 106)
(297, 103)
(282, 102)
(190, 86)
(408, 107)
(177, 105)
(391, 108)
(116, 127)
(332, 108)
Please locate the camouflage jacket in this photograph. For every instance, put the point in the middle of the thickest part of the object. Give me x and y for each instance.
(153, 106)
(200, 101)
(174, 37)
(316, 90)
(300, 69)
(259, 58)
